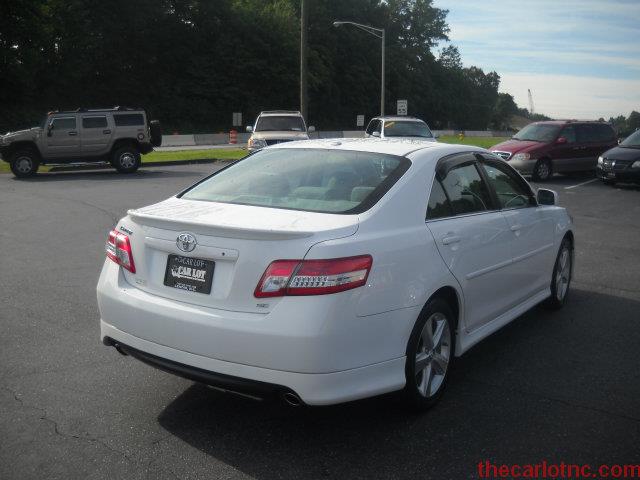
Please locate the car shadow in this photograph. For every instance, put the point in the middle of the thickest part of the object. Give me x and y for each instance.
(537, 389)
(104, 175)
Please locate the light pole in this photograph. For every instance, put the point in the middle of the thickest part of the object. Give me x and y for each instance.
(378, 33)
(303, 59)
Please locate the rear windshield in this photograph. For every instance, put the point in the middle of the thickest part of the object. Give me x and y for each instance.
(393, 128)
(539, 132)
(277, 124)
(313, 180)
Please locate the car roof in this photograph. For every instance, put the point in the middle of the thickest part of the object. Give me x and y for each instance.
(400, 147)
(568, 122)
(268, 113)
(397, 118)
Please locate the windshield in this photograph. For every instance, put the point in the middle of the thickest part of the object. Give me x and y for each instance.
(538, 132)
(313, 180)
(277, 124)
(632, 141)
(397, 128)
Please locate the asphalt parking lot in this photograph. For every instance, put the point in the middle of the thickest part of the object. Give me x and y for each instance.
(561, 386)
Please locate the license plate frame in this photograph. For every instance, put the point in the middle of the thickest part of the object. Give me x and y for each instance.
(196, 274)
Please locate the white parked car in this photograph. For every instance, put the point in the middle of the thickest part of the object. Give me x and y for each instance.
(277, 126)
(399, 127)
(326, 271)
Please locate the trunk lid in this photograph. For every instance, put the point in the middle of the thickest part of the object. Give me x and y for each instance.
(242, 241)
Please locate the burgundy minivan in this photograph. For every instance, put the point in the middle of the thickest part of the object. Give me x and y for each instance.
(543, 148)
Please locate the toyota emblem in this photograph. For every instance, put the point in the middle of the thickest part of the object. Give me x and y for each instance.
(186, 242)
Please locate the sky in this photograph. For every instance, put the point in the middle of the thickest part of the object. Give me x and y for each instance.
(580, 58)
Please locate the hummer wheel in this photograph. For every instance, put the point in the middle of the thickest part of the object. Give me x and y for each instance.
(126, 159)
(24, 163)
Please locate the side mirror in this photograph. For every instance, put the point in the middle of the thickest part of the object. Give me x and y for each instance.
(311, 129)
(436, 135)
(249, 129)
(547, 197)
(49, 128)
(561, 140)
(375, 134)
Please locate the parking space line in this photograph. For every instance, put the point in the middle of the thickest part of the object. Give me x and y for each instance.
(580, 184)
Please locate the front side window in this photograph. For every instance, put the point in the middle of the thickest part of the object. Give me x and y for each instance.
(395, 128)
(67, 123)
(94, 122)
(569, 133)
(509, 189)
(465, 189)
(314, 180)
(374, 126)
(279, 124)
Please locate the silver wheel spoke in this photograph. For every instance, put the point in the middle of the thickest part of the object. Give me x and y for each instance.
(440, 363)
(425, 384)
(437, 336)
(422, 360)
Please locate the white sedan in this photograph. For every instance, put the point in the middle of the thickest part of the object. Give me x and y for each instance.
(327, 271)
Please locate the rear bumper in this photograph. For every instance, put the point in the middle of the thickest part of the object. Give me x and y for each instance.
(313, 389)
(318, 349)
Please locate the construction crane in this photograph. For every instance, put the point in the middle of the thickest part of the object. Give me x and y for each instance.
(531, 110)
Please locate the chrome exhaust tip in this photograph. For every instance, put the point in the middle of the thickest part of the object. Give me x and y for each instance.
(291, 399)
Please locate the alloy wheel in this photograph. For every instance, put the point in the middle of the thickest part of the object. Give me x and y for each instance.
(433, 355)
(563, 273)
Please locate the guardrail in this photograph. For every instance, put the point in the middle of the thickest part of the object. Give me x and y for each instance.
(223, 138)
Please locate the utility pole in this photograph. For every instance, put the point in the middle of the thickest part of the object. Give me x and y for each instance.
(303, 58)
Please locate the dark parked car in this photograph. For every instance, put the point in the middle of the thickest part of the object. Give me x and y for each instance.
(543, 148)
(621, 163)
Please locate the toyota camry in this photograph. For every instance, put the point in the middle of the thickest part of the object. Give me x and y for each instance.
(327, 271)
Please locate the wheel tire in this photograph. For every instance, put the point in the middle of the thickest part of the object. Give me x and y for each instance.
(427, 366)
(542, 170)
(24, 163)
(561, 277)
(126, 159)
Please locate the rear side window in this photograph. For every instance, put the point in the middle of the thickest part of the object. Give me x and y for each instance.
(466, 191)
(128, 119)
(594, 132)
(439, 206)
(329, 181)
(94, 122)
(68, 123)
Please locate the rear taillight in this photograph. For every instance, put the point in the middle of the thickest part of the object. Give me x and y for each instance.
(118, 249)
(313, 277)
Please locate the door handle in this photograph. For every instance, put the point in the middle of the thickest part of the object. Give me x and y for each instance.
(73, 133)
(451, 239)
(515, 228)
(106, 132)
